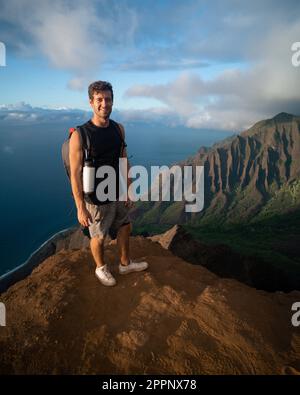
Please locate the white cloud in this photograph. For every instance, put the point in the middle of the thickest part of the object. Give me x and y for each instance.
(236, 98)
(72, 35)
(78, 36)
(20, 106)
(25, 113)
(154, 114)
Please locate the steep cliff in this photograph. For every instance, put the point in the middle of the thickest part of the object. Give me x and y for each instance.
(174, 318)
(251, 176)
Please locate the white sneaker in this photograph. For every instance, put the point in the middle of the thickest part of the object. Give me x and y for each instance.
(133, 267)
(104, 275)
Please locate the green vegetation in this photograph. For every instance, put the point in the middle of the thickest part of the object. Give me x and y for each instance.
(273, 239)
(288, 196)
(172, 213)
(151, 229)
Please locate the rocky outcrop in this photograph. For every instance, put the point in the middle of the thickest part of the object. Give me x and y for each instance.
(174, 318)
(68, 239)
(223, 261)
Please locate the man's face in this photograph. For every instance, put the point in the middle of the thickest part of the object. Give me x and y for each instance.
(102, 104)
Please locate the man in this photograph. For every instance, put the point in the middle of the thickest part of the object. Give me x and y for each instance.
(102, 217)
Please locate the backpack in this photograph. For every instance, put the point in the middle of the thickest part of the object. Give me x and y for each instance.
(85, 144)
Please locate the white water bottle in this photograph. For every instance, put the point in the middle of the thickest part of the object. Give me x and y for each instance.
(88, 177)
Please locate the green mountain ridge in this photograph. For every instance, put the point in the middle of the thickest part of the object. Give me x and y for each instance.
(250, 176)
(251, 202)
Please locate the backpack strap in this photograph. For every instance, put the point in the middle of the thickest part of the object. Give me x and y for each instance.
(84, 139)
(124, 145)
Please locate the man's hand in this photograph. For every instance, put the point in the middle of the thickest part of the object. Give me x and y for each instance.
(84, 217)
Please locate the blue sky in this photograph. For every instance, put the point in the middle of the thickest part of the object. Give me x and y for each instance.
(220, 64)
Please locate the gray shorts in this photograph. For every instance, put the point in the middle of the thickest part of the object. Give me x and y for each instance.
(107, 218)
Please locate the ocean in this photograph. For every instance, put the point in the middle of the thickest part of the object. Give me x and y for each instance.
(35, 199)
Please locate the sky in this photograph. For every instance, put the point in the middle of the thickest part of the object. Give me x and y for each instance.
(203, 64)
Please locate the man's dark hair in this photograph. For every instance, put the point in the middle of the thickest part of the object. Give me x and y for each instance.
(100, 86)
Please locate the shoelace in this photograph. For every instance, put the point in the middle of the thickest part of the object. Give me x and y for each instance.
(107, 273)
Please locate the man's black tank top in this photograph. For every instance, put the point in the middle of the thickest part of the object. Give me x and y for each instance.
(105, 149)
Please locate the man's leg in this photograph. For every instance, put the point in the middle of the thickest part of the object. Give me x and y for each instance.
(123, 243)
(126, 264)
(97, 249)
(101, 221)
(102, 271)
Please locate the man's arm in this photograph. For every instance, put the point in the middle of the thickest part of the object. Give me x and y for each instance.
(75, 158)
